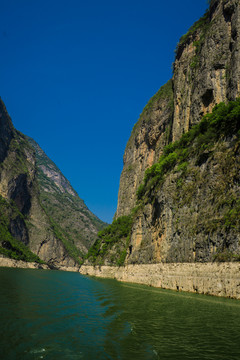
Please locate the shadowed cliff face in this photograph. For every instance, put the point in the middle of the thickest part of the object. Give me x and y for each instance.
(23, 220)
(41, 216)
(206, 72)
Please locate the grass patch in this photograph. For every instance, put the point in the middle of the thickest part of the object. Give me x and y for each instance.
(232, 216)
(201, 24)
(226, 256)
(117, 234)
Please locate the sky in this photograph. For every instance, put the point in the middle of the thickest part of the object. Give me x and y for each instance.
(75, 76)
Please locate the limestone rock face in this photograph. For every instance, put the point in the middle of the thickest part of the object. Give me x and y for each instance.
(186, 219)
(207, 66)
(151, 133)
(208, 278)
(206, 72)
(51, 171)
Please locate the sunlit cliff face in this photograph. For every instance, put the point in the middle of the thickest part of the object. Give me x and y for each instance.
(174, 225)
(206, 72)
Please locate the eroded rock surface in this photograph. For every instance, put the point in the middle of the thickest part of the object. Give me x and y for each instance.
(206, 72)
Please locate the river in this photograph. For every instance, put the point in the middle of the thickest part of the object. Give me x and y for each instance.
(61, 315)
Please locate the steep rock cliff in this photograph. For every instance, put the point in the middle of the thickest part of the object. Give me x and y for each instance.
(183, 200)
(206, 72)
(207, 65)
(62, 203)
(31, 226)
(149, 135)
(189, 205)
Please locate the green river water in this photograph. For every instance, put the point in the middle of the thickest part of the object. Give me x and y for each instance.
(60, 315)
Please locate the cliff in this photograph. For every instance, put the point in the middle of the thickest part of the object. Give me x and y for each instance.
(62, 203)
(179, 187)
(42, 217)
(206, 72)
(150, 134)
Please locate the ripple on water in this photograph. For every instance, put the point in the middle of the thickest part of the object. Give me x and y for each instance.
(57, 315)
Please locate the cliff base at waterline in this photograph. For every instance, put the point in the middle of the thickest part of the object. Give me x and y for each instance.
(218, 279)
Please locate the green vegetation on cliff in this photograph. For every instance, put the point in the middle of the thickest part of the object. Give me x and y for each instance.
(165, 93)
(189, 199)
(223, 122)
(67, 241)
(197, 32)
(39, 210)
(10, 246)
(201, 24)
(112, 243)
(193, 192)
(207, 218)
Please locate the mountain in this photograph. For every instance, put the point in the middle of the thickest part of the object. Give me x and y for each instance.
(42, 217)
(179, 189)
(62, 203)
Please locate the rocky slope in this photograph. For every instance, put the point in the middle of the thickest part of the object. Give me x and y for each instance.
(62, 203)
(36, 202)
(183, 199)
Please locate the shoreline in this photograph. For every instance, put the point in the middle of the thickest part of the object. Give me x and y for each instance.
(12, 263)
(217, 279)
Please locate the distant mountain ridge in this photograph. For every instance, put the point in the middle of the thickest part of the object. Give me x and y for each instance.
(42, 217)
(63, 204)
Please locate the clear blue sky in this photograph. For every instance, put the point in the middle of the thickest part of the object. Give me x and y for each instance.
(75, 76)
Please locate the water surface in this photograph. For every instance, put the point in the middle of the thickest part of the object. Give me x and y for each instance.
(59, 315)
